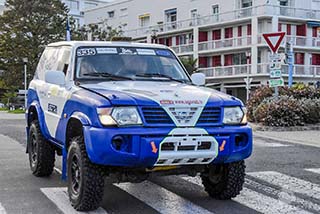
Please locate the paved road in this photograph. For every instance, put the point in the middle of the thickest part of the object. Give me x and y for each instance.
(282, 178)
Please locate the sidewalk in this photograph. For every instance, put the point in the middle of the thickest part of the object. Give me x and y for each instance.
(310, 138)
(6, 116)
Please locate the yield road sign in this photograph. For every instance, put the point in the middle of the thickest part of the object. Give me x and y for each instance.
(276, 82)
(275, 73)
(274, 40)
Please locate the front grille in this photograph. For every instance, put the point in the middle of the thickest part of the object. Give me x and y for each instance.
(156, 115)
(210, 115)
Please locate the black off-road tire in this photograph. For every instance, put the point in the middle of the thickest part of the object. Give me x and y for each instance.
(41, 152)
(90, 178)
(224, 181)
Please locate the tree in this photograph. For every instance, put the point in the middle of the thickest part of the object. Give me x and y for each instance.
(26, 27)
(100, 32)
(190, 64)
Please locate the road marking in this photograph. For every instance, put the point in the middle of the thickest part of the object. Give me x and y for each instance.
(289, 183)
(257, 201)
(59, 196)
(161, 199)
(283, 195)
(2, 210)
(314, 170)
(57, 170)
(271, 145)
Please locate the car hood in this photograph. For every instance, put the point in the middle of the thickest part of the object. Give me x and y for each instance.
(146, 93)
(183, 103)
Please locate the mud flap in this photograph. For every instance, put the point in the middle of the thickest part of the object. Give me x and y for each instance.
(64, 164)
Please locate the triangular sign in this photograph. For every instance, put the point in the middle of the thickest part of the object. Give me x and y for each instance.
(274, 40)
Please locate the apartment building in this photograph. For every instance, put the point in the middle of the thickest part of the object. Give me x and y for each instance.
(77, 8)
(224, 35)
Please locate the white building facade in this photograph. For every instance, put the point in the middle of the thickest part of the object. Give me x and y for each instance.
(224, 35)
(77, 8)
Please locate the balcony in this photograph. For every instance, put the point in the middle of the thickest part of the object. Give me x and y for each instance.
(261, 10)
(298, 70)
(182, 49)
(311, 71)
(225, 43)
(226, 71)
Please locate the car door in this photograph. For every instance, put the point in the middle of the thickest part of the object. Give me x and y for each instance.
(58, 95)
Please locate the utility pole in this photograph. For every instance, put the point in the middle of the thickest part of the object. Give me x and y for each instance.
(25, 61)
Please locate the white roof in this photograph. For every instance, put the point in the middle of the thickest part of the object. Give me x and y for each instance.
(112, 44)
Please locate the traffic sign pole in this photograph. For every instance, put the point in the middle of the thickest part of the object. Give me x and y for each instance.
(274, 41)
(290, 63)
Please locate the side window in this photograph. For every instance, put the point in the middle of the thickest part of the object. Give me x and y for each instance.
(41, 65)
(64, 59)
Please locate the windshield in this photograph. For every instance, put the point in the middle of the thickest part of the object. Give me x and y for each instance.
(123, 63)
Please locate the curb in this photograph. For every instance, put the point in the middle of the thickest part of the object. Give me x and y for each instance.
(257, 127)
(285, 140)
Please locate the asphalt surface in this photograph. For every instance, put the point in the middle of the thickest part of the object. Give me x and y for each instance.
(282, 178)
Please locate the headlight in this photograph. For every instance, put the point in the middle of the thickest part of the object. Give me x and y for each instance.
(122, 116)
(234, 115)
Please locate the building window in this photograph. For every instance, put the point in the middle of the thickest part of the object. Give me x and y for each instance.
(239, 31)
(216, 34)
(144, 20)
(299, 59)
(284, 2)
(73, 5)
(111, 14)
(123, 12)
(239, 59)
(215, 9)
(203, 62)
(301, 30)
(194, 14)
(216, 61)
(246, 3)
(288, 29)
(228, 33)
(228, 59)
(171, 15)
(315, 59)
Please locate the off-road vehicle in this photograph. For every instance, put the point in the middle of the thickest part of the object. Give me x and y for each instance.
(126, 111)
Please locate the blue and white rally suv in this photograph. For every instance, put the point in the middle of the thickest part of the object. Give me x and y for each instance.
(125, 111)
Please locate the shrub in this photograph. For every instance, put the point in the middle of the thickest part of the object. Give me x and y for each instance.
(300, 104)
(311, 110)
(256, 98)
(285, 111)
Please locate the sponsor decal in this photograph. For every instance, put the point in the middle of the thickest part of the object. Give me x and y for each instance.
(52, 108)
(107, 50)
(181, 102)
(146, 52)
(128, 51)
(164, 53)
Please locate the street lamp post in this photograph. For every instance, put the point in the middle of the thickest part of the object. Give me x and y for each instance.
(25, 61)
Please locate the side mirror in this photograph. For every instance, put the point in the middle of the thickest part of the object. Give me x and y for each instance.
(55, 77)
(198, 79)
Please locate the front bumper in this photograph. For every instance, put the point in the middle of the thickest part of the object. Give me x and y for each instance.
(143, 146)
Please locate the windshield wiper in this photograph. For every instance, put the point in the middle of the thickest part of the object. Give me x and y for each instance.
(105, 74)
(161, 76)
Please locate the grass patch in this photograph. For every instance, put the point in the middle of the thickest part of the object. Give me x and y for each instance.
(17, 111)
(4, 109)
